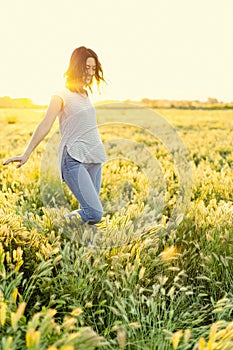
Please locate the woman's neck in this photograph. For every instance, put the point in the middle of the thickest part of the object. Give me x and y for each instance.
(79, 90)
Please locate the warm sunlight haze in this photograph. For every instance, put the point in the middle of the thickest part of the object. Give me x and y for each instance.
(151, 49)
(116, 215)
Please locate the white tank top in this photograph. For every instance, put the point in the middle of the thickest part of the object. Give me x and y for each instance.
(79, 129)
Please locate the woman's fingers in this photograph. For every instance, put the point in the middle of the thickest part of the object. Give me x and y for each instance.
(21, 163)
(20, 159)
(14, 159)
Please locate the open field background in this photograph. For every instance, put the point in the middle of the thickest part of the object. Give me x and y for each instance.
(147, 282)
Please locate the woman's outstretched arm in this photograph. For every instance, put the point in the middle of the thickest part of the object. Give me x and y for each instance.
(40, 132)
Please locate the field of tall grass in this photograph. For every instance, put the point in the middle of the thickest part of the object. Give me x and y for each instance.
(156, 273)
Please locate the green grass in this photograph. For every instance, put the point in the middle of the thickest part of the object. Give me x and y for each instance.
(150, 280)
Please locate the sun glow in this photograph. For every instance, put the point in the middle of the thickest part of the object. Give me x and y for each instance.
(167, 56)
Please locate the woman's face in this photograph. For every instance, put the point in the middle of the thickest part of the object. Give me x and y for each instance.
(90, 70)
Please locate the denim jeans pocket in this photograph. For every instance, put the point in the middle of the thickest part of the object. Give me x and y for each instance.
(68, 162)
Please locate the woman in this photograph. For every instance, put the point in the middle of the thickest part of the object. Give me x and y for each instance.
(81, 152)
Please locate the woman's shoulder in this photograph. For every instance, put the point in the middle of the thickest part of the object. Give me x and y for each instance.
(73, 99)
(61, 92)
(64, 93)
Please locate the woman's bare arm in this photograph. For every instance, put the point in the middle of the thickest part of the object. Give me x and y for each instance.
(40, 132)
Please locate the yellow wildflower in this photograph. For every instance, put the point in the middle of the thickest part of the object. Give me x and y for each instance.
(169, 253)
(76, 312)
(14, 295)
(67, 347)
(141, 272)
(16, 316)
(69, 322)
(202, 344)
(32, 338)
(3, 310)
(176, 338)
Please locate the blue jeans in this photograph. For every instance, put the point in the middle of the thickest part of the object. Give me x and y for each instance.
(84, 181)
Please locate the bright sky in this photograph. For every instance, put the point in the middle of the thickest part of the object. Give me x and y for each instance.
(171, 49)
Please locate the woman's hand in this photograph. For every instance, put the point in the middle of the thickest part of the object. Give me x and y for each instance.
(40, 132)
(21, 159)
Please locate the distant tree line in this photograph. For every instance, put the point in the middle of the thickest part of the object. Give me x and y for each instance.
(8, 102)
(185, 104)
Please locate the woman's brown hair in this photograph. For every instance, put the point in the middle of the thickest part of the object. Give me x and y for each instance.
(77, 69)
